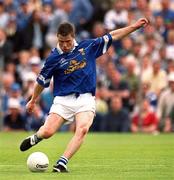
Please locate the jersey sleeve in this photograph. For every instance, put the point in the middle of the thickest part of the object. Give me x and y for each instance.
(101, 45)
(46, 73)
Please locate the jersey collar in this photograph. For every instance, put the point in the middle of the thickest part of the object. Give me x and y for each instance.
(61, 52)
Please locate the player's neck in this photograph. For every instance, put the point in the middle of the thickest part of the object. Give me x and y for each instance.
(60, 50)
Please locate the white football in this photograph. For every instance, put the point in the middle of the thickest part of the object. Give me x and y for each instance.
(37, 162)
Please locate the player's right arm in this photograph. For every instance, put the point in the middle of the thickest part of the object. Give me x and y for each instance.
(43, 81)
(37, 91)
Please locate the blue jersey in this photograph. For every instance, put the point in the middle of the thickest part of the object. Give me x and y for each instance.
(74, 72)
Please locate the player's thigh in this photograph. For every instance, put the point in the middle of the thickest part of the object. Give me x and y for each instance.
(84, 119)
(53, 122)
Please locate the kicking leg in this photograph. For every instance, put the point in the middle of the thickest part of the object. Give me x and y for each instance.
(51, 125)
(83, 123)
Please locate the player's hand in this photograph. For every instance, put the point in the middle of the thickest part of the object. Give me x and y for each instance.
(142, 22)
(30, 106)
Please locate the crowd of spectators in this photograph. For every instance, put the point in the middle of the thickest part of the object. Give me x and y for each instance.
(135, 78)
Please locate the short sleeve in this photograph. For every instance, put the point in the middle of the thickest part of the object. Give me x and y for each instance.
(101, 45)
(46, 73)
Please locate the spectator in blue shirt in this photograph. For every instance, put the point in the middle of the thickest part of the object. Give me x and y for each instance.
(117, 119)
(81, 13)
(166, 13)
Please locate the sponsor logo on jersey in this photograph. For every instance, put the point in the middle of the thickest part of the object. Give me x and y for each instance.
(75, 65)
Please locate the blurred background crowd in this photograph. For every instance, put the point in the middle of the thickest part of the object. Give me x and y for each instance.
(135, 84)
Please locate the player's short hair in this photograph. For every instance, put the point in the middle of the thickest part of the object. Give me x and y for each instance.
(65, 29)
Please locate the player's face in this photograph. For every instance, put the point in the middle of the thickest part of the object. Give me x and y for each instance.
(66, 43)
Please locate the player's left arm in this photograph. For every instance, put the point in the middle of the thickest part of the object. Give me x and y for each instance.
(120, 33)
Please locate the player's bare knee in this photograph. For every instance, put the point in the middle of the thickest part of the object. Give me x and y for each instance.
(81, 132)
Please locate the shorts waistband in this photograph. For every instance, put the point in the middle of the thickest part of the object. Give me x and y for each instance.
(81, 94)
(76, 95)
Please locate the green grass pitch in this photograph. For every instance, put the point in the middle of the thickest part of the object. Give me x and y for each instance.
(102, 157)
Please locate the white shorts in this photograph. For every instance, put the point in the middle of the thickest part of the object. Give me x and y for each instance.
(68, 106)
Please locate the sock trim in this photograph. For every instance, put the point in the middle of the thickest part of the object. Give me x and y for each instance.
(64, 158)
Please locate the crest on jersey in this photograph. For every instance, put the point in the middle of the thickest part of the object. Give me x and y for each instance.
(82, 51)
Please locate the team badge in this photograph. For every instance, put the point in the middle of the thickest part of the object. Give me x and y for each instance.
(82, 51)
